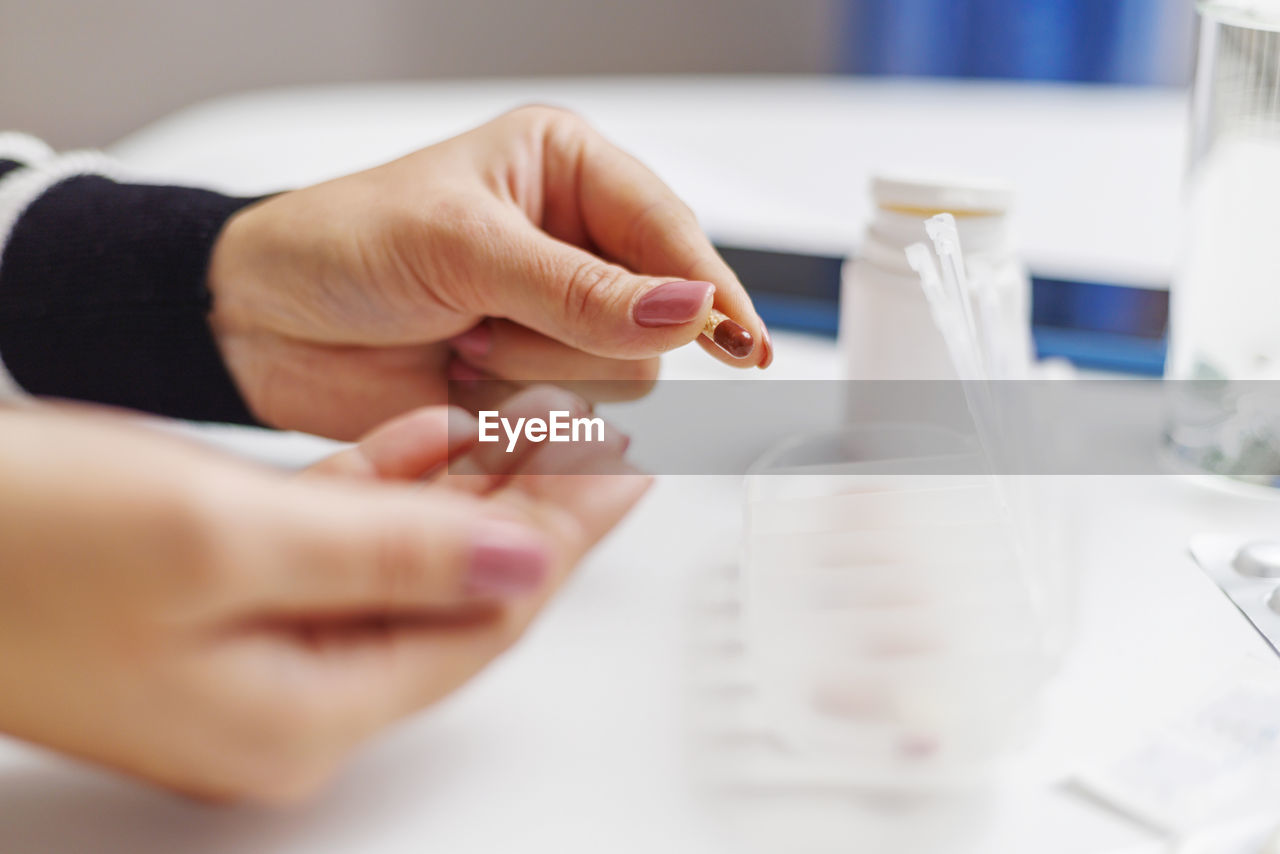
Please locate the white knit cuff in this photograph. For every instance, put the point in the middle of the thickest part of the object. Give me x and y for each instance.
(24, 149)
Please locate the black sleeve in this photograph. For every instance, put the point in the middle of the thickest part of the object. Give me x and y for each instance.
(103, 298)
(7, 165)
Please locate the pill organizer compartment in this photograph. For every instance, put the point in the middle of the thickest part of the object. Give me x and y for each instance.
(893, 630)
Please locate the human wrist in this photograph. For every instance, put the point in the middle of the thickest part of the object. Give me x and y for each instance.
(234, 277)
(230, 309)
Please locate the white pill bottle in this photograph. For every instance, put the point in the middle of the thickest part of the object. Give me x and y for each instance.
(886, 328)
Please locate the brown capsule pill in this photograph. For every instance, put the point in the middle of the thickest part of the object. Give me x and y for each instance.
(728, 334)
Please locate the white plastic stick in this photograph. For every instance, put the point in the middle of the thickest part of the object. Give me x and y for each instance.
(977, 357)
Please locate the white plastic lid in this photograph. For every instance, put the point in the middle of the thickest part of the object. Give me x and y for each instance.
(1251, 14)
(972, 196)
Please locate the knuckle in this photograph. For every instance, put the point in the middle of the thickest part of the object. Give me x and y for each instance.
(551, 127)
(398, 557)
(196, 540)
(663, 223)
(546, 115)
(594, 289)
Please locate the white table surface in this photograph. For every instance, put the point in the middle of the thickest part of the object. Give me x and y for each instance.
(772, 161)
(575, 741)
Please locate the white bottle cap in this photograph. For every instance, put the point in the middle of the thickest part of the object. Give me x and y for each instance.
(923, 195)
(1250, 14)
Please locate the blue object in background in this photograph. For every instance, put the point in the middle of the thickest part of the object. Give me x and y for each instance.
(1095, 41)
(916, 37)
(1133, 42)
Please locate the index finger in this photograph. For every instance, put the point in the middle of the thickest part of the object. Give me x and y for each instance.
(595, 190)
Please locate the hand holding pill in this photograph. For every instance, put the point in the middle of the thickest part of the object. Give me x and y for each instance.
(529, 250)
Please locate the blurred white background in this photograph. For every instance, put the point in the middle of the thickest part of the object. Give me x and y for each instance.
(82, 73)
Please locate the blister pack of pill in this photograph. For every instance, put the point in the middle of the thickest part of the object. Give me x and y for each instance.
(1248, 571)
(1212, 769)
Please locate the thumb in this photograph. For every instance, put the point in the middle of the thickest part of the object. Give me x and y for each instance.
(588, 303)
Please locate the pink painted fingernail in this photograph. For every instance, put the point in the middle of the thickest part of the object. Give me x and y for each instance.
(766, 344)
(506, 560)
(476, 341)
(672, 304)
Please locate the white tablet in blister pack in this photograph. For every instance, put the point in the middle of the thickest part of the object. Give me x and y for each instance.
(1248, 571)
